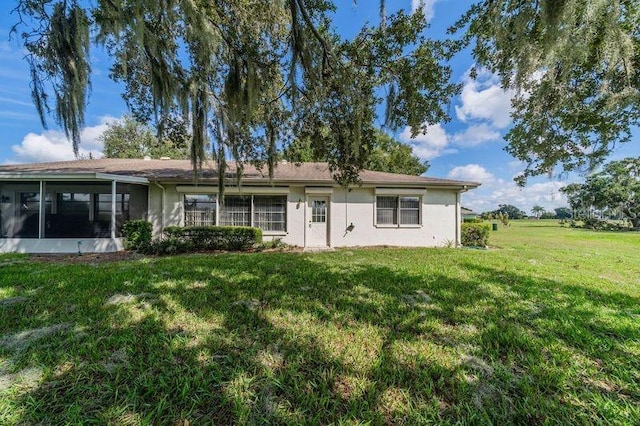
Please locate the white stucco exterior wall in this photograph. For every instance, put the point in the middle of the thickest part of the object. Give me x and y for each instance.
(155, 214)
(437, 228)
(439, 215)
(60, 245)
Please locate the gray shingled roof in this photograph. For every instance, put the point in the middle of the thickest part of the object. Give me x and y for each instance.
(170, 170)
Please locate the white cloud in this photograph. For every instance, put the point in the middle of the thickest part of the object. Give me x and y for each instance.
(431, 144)
(53, 145)
(484, 99)
(476, 134)
(495, 191)
(426, 5)
(516, 165)
(472, 172)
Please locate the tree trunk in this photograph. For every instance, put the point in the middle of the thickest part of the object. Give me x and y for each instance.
(633, 216)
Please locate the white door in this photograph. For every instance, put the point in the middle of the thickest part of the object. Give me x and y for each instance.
(317, 220)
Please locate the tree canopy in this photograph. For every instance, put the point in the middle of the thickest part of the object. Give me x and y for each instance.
(617, 185)
(563, 213)
(386, 155)
(537, 210)
(574, 66)
(130, 138)
(512, 212)
(250, 76)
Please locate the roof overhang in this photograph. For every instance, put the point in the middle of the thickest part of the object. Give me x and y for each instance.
(462, 186)
(74, 177)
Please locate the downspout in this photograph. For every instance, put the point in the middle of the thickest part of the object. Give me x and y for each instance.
(162, 201)
(346, 208)
(458, 219)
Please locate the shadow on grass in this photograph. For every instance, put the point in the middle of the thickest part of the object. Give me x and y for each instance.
(289, 339)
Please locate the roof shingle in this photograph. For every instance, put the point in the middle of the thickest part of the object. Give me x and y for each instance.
(160, 170)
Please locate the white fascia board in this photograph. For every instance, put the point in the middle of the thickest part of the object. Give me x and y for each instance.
(318, 190)
(47, 176)
(207, 189)
(74, 177)
(122, 178)
(400, 191)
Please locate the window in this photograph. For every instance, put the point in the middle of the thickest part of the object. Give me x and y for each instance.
(269, 212)
(319, 211)
(397, 210)
(103, 207)
(236, 211)
(409, 210)
(73, 203)
(200, 210)
(102, 212)
(27, 224)
(387, 211)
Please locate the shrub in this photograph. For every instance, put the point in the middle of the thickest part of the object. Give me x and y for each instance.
(475, 234)
(275, 244)
(205, 238)
(503, 218)
(593, 223)
(472, 220)
(136, 233)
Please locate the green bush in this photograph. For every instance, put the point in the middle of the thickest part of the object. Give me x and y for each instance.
(472, 220)
(475, 234)
(137, 234)
(205, 238)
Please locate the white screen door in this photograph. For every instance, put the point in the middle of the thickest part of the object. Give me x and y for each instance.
(318, 217)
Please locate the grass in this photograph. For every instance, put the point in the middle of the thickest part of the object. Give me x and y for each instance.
(545, 328)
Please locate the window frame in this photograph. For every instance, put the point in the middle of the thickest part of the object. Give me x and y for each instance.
(251, 212)
(246, 202)
(254, 222)
(214, 202)
(398, 211)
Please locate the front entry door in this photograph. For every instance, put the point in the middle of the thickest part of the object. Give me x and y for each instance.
(317, 220)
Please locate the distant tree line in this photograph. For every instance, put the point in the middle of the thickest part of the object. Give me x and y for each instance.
(539, 212)
(613, 192)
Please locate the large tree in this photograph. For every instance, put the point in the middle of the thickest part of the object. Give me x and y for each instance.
(387, 155)
(563, 213)
(574, 66)
(250, 76)
(616, 186)
(130, 138)
(537, 210)
(511, 211)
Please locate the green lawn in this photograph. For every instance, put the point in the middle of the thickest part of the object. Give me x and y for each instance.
(544, 328)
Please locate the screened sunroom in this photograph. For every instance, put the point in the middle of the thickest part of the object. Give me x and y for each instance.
(80, 214)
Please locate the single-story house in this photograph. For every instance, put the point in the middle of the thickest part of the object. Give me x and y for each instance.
(72, 206)
(468, 213)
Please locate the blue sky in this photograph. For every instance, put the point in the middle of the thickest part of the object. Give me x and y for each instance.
(469, 147)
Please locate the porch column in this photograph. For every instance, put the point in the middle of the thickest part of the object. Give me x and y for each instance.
(113, 209)
(41, 210)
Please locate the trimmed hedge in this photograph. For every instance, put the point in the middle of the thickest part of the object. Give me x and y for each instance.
(136, 233)
(475, 234)
(178, 239)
